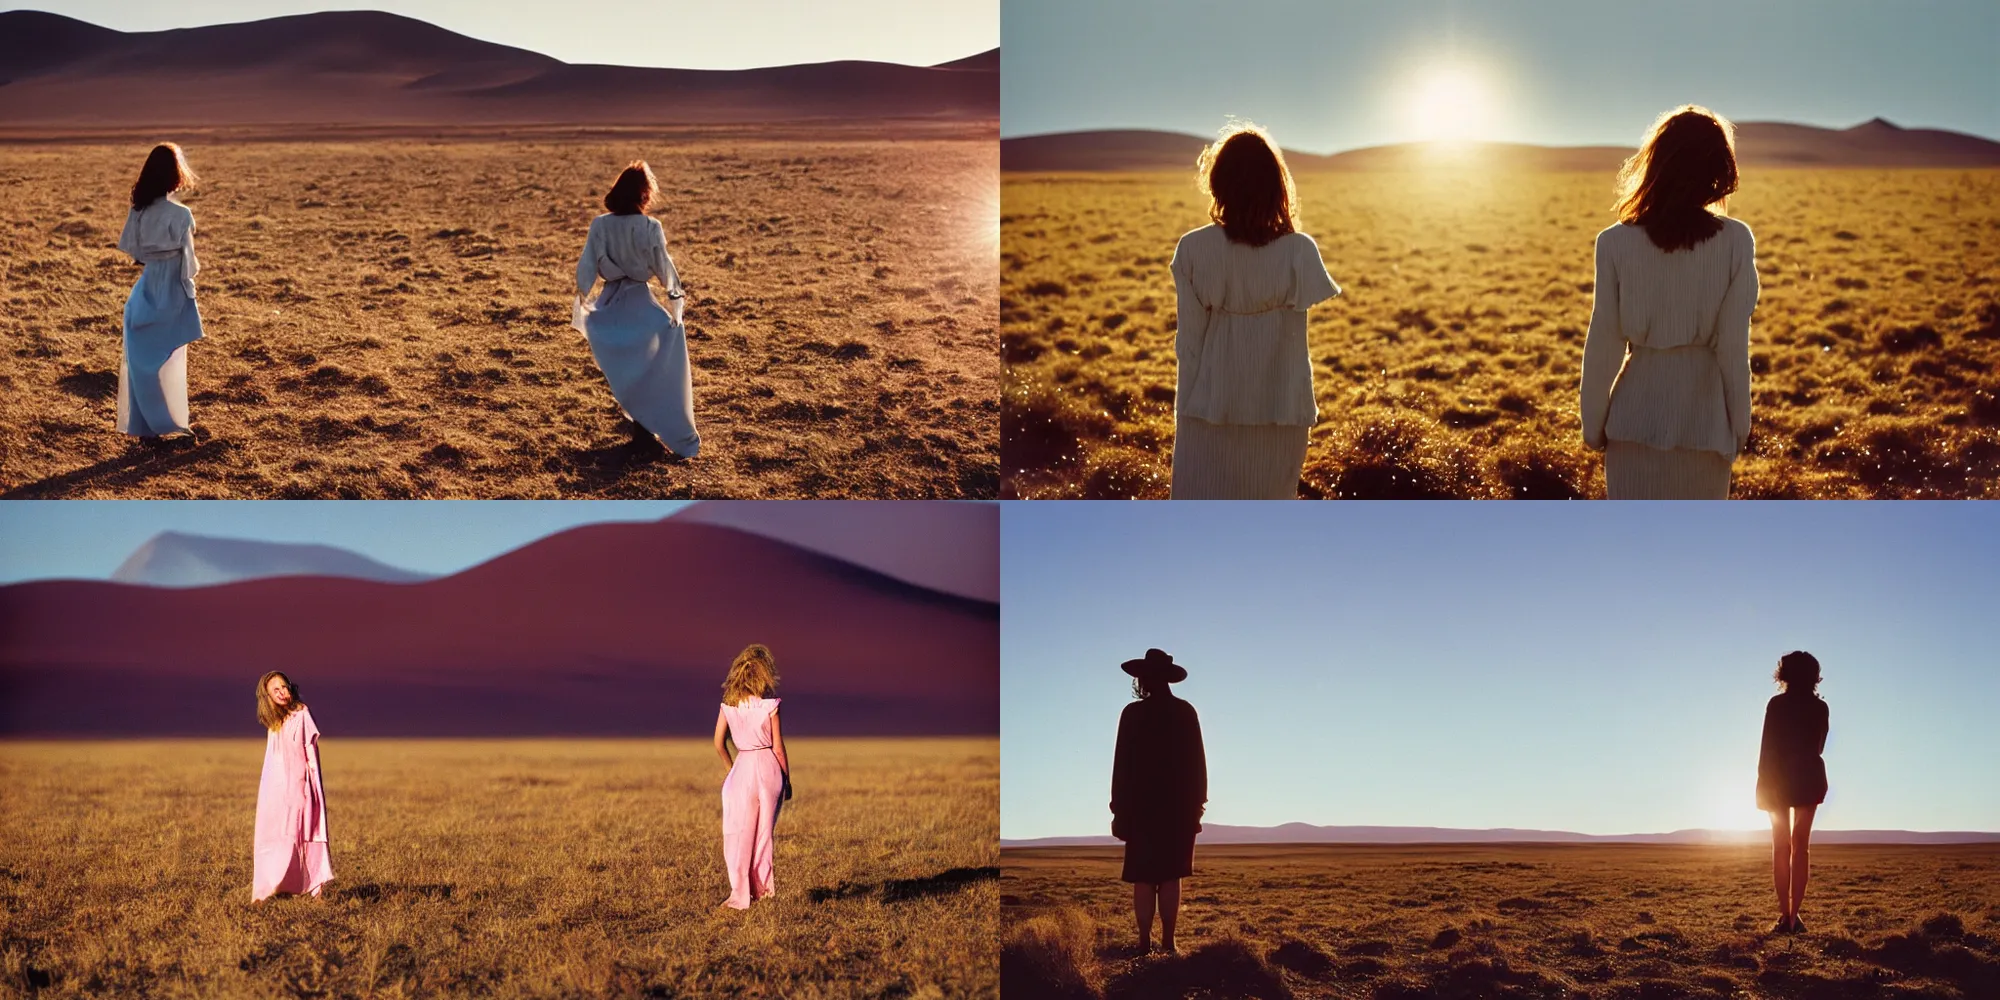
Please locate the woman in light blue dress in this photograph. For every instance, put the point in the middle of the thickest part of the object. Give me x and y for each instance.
(160, 316)
(640, 346)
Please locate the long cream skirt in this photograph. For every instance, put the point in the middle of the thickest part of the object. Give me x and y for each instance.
(1237, 461)
(1642, 472)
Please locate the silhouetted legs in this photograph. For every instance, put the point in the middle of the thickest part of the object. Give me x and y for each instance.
(1168, 897)
(1790, 861)
(1802, 821)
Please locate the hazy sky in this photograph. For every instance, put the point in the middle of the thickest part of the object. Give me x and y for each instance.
(1600, 668)
(691, 34)
(1327, 75)
(87, 539)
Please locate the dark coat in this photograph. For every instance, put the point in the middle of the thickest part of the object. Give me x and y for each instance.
(1159, 775)
(1790, 771)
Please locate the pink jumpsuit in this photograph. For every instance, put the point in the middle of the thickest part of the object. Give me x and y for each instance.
(751, 796)
(290, 853)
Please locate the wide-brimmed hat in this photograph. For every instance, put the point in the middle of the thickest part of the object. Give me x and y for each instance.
(1156, 665)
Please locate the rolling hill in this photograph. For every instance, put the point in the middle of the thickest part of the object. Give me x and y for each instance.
(1305, 833)
(373, 68)
(607, 629)
(1875, 143)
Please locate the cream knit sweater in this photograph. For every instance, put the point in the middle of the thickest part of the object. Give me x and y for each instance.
(1667, 360)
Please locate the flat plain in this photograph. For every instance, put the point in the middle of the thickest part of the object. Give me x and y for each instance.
(1522, 921)
(387, 316)
(517, 868)
(1449, 366)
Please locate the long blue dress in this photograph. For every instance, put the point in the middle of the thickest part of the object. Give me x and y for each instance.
(161, 319)
(637, 343)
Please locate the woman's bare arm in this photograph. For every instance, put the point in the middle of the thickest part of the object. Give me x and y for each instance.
(722, 730)
(778, 745)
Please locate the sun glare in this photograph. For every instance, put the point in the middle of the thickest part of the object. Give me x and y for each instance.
(1450, 103)
(1736, 809)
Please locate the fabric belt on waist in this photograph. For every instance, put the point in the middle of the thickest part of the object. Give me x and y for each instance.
(1254, 312)
(160, 255)
(748, 749)
(1669, 350)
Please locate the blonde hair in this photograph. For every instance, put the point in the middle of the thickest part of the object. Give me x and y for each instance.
(753, 674)
(268, 711)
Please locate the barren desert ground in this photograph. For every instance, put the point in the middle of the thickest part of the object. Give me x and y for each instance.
(389, 317)
(527, 868)
(1449, 367)
(1511, 921)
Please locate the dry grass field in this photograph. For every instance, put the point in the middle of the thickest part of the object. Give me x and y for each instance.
(525, 868)
(390, 318)
(1449, 367)
(1522, 922)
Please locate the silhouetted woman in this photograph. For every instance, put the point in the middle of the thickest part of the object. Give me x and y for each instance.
(1791, 778)
(1159, 786)
(640, 347)
(291, 848)
(1666, 365)
(759, 778)
(160, 315)
(1243, 395)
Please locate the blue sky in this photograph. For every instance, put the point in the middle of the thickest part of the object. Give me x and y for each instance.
(1600, 668)
(690, 34)
(87, 539)
(1327, 75)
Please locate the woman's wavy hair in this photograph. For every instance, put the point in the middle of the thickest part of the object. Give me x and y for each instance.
(753, 674)
(1250, 191)
(633, 192)
(1798, 670)
(1686, 163)
(268, 711)
(165, 172)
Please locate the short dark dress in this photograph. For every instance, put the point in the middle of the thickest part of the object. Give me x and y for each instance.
(1790, 771)
(1159, 785)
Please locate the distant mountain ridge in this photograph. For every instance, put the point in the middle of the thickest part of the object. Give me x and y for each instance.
(179, 559)
(610, 629)
(376, 68)
(1305, 833)
(1874, 143)
(930, 544)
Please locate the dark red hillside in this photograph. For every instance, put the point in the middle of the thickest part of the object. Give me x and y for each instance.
(603, 629)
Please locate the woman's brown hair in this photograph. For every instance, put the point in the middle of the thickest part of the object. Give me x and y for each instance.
(165, 172)
(1686, 163)
(268, 711)
(1250, 193)
(633, 190)
(1798, 670)
(753, 674)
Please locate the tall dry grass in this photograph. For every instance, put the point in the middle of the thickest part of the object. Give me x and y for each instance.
(524, 868)
(1449, 367)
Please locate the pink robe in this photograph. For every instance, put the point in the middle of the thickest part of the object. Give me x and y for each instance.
(751, 797)
(291, 854)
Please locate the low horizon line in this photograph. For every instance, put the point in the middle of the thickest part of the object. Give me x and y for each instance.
(1005, 136)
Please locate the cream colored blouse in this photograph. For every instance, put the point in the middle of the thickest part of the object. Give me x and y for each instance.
(1241, 328)
(1667, 360)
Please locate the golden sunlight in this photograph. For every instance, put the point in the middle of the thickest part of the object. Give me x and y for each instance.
(1449, 103)
(1736, 809)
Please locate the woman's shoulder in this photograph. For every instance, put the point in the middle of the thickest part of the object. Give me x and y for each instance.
(1208, 235)
(1737, 230)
